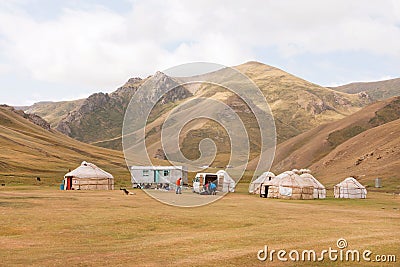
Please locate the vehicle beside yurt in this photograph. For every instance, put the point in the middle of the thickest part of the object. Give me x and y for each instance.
(289, 185)
(319, 189)
(225, 182)
(88, 177)
(255, 186)
(350, 188)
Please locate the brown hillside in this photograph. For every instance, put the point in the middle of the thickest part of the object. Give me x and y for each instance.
(297, 106)
(53, 112)
(309, 147)
(29, 151)
(369, 155)
(376, 90)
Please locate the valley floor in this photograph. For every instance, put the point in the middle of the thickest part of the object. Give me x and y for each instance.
(43, 226)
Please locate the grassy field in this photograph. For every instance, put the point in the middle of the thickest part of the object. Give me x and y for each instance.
(42, 226)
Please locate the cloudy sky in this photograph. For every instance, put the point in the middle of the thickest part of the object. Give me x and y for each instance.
(60, 50)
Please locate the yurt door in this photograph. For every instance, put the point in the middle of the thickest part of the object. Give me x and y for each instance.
(69, 183)
(264, 190)
(156, 176)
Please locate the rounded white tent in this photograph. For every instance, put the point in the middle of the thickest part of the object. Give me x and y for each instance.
(228, 184)
(88, 177)
(290, 185)
(350, 188)
(255, 186)
(319, 189)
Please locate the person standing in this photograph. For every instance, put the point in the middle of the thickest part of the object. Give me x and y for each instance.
(179, 186)
(213, 188)
(207, 188)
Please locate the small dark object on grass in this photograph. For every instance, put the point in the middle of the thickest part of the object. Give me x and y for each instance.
(3, 184)
(126, 191)
(38, 179)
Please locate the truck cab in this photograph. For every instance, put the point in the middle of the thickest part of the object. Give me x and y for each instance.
(202, 179)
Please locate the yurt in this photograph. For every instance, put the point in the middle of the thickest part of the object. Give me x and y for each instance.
(225, 182)
(289, 185)
(88, 177)
(350, 188)
(319, 189)
(255, 186)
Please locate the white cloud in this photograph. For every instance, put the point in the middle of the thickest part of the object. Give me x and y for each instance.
(100, 48)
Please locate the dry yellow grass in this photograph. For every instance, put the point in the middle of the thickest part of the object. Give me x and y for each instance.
(28, 151)
(41, 226)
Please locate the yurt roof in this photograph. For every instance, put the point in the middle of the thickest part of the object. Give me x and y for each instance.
(263, 176)
(350, 182)
(314, 180)
(284, 174)
(268, 174)
(227, 177)
(88, 170)
(291, 179)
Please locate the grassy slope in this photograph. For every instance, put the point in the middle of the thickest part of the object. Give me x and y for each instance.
(29, 151)
(297, 106)
(302, 150)
(371, 154)
(48, 227)
(53, 112)
(376, 90)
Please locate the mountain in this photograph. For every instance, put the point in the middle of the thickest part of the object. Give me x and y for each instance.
(100, 117)
(30, 151)
(315, 148)
(297, 107)
(53, 112)
(372, 154)
(35, 119)
(376, 90)
(297, 104)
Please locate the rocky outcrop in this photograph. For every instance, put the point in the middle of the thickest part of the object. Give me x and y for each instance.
(35, 119)
(38, 121)
(100, 117)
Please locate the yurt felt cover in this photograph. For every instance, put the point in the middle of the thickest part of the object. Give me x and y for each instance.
(290, 185)
(229, 183)
(319, 189)
(89, 171)
(350, 188)
(254, 187)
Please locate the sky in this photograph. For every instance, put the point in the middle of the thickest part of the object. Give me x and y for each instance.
(52, 50)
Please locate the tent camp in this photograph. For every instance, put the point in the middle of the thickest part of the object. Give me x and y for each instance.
(225, 182)
(288, 185)
(350, 188)
(255, 186)
(88, 177)
(319, 189)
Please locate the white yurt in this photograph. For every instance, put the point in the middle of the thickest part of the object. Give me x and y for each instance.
(319, 189)
(225, 182)
(255, 186)
(350, 188)
(88, 177)
(289, 185)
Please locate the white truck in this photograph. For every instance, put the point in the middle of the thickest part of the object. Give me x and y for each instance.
(221, 179)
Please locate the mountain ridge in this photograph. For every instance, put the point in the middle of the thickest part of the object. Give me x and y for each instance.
(377, 90)
(297, 106)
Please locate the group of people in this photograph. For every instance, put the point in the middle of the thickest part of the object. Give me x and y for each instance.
(210, 188)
